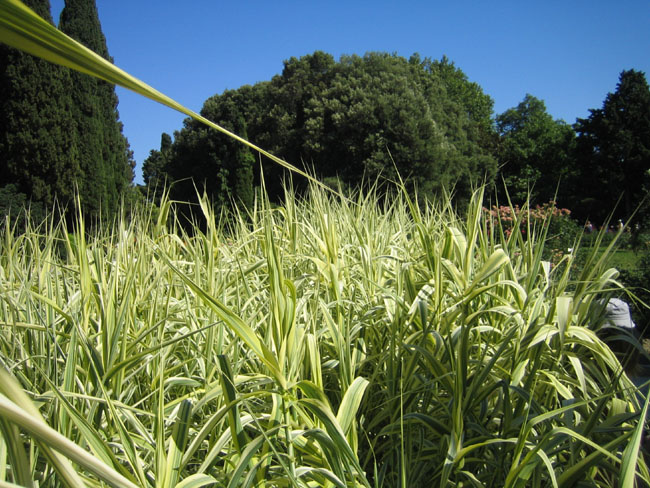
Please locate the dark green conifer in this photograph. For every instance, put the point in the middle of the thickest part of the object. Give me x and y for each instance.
(613, 153)
(154, 168)
(38, 143)
(103, 151)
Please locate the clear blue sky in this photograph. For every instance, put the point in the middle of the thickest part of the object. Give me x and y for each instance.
(567, 53)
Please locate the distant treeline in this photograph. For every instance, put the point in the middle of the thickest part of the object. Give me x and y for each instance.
(362, 117)
(351, 122)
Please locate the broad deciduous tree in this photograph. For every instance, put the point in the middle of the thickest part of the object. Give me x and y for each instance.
(535, 152)
(355, 119)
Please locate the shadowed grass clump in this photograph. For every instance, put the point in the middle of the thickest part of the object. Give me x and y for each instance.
(326, 342)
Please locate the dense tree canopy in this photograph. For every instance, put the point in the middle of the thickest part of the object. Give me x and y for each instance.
(535, 152)
(353, 120)
(59, 130)
(38, 140)
(205, 160)
(104, 154)
(362, 117)
(614, 150)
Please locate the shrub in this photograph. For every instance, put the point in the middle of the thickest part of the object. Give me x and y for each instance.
(14, 206)
(560, 230)
(637, 280)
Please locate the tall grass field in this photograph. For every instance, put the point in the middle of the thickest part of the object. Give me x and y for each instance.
(327, 342)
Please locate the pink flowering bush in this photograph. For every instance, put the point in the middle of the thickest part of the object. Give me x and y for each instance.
(562, 230)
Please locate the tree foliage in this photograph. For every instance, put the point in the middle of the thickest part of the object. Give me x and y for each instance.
(613, 154)
(208, 161)
(38, 137)
(535, 151)
(354, 120)
(17, 210)
(59, 130)
(153, 168)
(104, 155)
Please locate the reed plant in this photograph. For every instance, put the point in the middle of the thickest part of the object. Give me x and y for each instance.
(330, 341)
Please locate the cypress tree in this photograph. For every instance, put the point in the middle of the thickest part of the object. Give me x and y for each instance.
(613, 151)
(105, 160)
(154, 168)
(38, 141)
